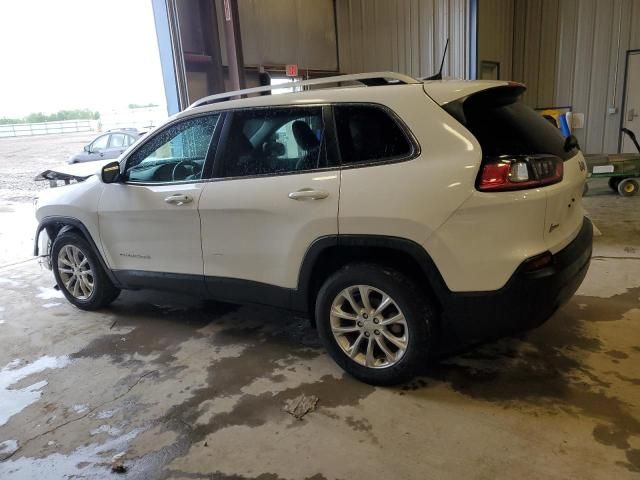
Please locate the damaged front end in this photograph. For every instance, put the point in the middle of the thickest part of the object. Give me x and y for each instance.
(74, 173)
(43, 248)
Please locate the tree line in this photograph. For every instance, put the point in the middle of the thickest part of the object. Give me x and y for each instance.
(39, 117)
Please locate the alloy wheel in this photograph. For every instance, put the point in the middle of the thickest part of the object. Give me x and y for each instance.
(75, 272)
(369, 326)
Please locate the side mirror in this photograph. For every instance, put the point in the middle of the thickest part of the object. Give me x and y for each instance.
(111, 172)
(86, 148)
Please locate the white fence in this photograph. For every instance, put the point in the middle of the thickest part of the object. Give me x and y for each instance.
(140, 118)
(144, 118)
(47, 128)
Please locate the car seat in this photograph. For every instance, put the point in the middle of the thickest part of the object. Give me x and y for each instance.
(307, 141)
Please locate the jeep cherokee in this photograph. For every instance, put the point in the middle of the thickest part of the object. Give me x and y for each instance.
(406, 217)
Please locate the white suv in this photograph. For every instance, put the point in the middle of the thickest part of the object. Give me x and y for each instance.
(406, 217)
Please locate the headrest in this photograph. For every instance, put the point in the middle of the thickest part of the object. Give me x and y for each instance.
(303, 135)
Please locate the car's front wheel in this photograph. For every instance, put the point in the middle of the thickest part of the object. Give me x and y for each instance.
(375, 323)
(79, 274)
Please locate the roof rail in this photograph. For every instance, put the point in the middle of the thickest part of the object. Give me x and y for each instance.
(368, 79)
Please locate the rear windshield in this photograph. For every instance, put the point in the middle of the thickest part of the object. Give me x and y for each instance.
(505, 126)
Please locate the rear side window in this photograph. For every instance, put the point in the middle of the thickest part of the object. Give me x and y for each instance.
(117, 140)
(368, 133)
(505, 126)
(271, 141)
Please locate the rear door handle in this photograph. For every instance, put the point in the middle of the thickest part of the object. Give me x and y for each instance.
(308, 194)
(178, 199)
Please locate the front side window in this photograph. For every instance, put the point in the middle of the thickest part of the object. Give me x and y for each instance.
(99, 143)
(274, 140)
(367, 133)
(175, 154)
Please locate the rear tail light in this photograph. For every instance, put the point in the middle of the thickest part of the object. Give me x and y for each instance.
(519, 173)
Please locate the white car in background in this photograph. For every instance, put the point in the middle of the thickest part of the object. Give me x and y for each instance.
(405, 217)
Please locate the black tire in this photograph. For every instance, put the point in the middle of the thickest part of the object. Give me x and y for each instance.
(104, 291)
(628, 187)
(613, 183)
(410, 300)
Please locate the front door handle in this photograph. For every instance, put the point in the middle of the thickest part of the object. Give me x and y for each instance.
(632, 114)
(308, 194)
(178, 199)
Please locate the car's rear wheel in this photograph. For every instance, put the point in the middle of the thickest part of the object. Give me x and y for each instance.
(628, 187)
(79, 274)
(375, 323)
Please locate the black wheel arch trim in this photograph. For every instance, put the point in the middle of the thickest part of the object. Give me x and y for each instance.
(74, 223)
(409, 247)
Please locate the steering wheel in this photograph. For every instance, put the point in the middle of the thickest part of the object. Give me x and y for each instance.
(196, 168)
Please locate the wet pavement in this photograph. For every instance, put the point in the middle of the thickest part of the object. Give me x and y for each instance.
(197, 391)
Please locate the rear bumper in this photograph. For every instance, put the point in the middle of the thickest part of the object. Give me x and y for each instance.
(526, 301)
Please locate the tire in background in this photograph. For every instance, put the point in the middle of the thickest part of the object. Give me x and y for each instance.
(613, 183)
(628, 187)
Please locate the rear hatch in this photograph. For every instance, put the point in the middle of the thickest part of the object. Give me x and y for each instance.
(521, 150)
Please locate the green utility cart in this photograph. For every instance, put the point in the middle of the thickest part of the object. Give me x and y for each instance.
(622, 169)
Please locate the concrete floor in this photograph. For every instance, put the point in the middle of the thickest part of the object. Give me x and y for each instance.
(198, 393)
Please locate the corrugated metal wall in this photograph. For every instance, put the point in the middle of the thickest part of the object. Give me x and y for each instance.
(406, 36)
(592, 44)
(495, 24)
(567, 52)
(522, 36)
(278, 32)
(535, 49)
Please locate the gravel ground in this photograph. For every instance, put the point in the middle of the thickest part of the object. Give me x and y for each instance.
(22, 158)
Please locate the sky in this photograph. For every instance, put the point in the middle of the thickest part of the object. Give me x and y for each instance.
(67, 54)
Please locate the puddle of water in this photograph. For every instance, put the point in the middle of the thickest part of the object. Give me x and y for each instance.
(80, 409)
(12, 400)
(109, 430)
(51, 305)
(8, 447)
(49, 293)
(105, 414)
(91, 461)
